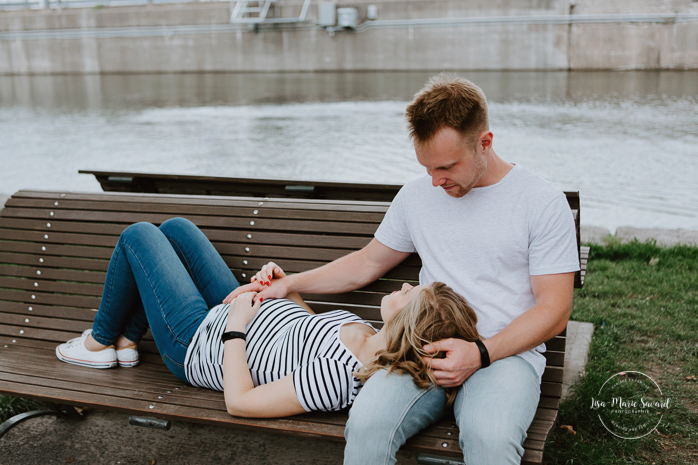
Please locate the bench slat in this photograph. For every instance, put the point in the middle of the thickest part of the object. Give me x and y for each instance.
(312, 204)
(228, 211)
(93, 277)
(313, 226)
(49, 299)
(95, 234)
(69, 313)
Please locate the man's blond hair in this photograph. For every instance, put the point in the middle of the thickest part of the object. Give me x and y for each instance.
(447, 101)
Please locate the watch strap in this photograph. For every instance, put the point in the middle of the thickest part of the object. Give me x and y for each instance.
(484, 355)
(228, 335)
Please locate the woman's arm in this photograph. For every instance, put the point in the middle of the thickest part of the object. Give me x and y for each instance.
(276, 399)
(296, 297)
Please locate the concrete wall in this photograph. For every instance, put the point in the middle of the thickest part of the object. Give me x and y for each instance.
(638, 45)
(197, 37)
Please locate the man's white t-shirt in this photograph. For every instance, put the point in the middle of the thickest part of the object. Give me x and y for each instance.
(486, 244)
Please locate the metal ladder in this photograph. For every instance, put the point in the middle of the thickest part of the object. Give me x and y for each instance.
(242, 10)
(255, 12)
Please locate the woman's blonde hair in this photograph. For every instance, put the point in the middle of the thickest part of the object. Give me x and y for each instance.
(436, 313)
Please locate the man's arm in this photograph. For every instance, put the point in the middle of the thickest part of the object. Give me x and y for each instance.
(342, 275)
(546, 319)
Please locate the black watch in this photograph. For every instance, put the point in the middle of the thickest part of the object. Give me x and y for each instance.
(484, 355)
(228, 335)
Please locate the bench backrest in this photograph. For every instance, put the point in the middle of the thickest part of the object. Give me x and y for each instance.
(55, 247)
(127, 181)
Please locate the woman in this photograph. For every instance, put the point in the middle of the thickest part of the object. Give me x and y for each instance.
(271, 359)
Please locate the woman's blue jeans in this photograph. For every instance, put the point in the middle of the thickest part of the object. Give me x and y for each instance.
(166, 278)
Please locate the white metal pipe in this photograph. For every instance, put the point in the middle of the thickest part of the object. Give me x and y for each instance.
(152, 31)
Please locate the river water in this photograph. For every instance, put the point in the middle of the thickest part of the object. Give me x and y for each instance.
(628, 141)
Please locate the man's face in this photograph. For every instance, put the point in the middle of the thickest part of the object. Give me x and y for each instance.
(452, 162)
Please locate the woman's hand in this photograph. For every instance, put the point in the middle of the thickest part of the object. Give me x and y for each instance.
(262, 284)
(262, 278)
(242, 311)
(252, 287)
(268, 272)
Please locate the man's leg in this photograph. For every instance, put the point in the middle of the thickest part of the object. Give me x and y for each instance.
(388, 410)
(494, 409)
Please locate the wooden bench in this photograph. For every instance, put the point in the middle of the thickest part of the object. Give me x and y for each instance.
(54, 251)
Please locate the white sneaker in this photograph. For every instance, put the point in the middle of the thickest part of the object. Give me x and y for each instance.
(74, 352)
(128, 356)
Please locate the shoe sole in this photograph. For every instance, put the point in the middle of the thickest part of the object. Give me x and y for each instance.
(128, 364)
(85, 363)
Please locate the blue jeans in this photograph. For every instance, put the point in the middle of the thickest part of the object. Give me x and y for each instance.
(493, 410)
(166, 278)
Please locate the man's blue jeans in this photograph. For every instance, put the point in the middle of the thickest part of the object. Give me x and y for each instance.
(166, 278)
(493, 410)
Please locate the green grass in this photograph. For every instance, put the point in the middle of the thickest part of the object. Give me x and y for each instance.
(643, 302)
(10, 406)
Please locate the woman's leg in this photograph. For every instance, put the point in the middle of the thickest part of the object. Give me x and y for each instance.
(120, 310)
(145, 267)
(206, 267)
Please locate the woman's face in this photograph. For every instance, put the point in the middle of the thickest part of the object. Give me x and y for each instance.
(393, 303)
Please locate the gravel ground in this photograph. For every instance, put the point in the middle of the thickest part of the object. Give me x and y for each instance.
(107, 438)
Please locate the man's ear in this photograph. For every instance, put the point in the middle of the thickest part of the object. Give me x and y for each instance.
(486, 140)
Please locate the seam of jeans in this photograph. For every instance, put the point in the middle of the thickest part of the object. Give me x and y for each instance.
(179, 365)
(96, 335)
(402, 418)
(176, 244)
(171, 238)
(157, 299)
(100, 339)
(179, 250)
(520, 449)
(135, 338)
(461, 442)
(182, 256)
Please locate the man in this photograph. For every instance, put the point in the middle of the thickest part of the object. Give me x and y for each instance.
(500, 236)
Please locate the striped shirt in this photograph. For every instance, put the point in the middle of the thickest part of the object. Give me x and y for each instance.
(282, 339)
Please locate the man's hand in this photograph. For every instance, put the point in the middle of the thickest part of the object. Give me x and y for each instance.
(462, 360)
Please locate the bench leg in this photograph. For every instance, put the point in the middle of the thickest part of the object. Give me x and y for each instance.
(426, 459)
(61, 411)
(149, 422)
